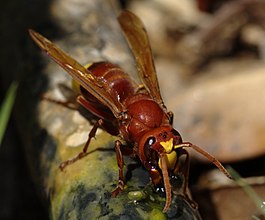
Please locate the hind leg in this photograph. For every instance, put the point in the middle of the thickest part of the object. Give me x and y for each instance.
(83, 153)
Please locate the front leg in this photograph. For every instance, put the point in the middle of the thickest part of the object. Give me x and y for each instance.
(184, 169)
(120, 163)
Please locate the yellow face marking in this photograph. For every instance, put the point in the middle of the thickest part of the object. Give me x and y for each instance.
(171, 160)
(171, 156)
(167, 145)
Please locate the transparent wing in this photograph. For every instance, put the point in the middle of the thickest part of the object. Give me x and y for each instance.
(79, 73)
(138, 41)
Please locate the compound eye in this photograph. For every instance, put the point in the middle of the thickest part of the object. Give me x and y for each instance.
(177, 136)
(148, 144)
(175, 132)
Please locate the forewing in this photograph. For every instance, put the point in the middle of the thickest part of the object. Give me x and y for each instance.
(79, 73)
(138, 41)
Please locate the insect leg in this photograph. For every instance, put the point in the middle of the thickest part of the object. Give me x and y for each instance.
(67, 104)
(120, 162)
(82, 154)
(185, 170)
(69, 95)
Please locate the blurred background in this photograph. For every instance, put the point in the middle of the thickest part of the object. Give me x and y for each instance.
(210, 60)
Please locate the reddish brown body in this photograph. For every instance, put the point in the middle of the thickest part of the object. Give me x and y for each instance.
(143, 113)
(134, 112)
